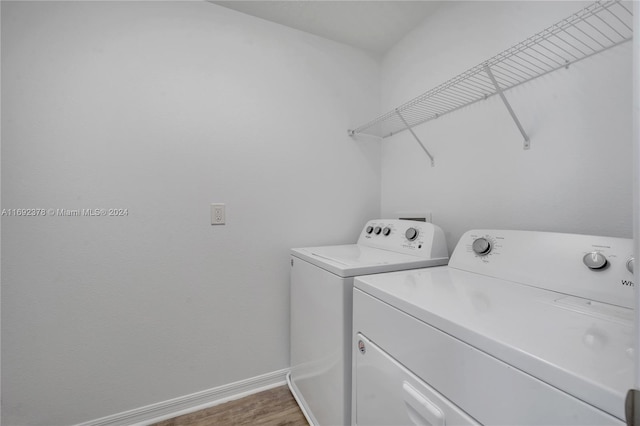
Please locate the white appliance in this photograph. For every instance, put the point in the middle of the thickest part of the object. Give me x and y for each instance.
(521, 328)
(321, 307)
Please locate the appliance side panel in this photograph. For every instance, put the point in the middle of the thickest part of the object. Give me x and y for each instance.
(319, 330)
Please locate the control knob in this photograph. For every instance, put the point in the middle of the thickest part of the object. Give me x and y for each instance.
(481, 246)
(369, 229)
(411, 234)
(630, 264)
(377, 230)
(595, 260)
(386, 231)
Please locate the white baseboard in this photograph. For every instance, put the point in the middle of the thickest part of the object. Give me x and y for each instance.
(189, 403)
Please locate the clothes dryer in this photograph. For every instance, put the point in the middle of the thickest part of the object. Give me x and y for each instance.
(521, 328)
(321, 307)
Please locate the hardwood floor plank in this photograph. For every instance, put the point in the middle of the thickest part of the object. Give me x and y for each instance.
(273, 407)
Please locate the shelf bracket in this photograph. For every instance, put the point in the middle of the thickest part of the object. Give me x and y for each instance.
(527, 143)
(415, 136)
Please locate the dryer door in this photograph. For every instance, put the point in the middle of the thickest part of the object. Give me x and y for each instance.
(386, 393)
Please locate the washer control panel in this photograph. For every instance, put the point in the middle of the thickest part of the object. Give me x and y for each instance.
(405, 236)
(592, 267)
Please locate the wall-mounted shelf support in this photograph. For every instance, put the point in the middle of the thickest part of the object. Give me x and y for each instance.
(527, 143)
(416, 137)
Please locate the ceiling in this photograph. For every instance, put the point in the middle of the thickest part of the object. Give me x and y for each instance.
(374, 26)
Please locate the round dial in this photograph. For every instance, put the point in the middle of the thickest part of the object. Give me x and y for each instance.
(630, 264)
(369, 229)
(386, 231)
(377, 230)
(595, 260)
(481, 246)
(411, 234)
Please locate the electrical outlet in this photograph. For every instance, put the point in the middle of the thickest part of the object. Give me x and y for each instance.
(218, 215)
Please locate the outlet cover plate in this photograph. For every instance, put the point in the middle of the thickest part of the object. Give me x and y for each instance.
(218, 214)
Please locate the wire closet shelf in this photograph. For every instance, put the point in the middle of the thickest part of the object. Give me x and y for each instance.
(598, 27)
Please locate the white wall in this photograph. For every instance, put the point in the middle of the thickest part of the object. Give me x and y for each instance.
(163, 108)
(577, 175)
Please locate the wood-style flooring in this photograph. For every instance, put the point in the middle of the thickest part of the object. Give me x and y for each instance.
(273, 407)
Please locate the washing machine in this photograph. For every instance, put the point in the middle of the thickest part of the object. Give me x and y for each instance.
(321, 307)
(521, 328)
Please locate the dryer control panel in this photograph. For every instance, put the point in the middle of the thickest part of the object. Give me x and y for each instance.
(591, 267)
(405, 236)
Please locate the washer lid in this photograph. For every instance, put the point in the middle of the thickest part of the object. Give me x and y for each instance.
(355, 259)
(581, 347)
